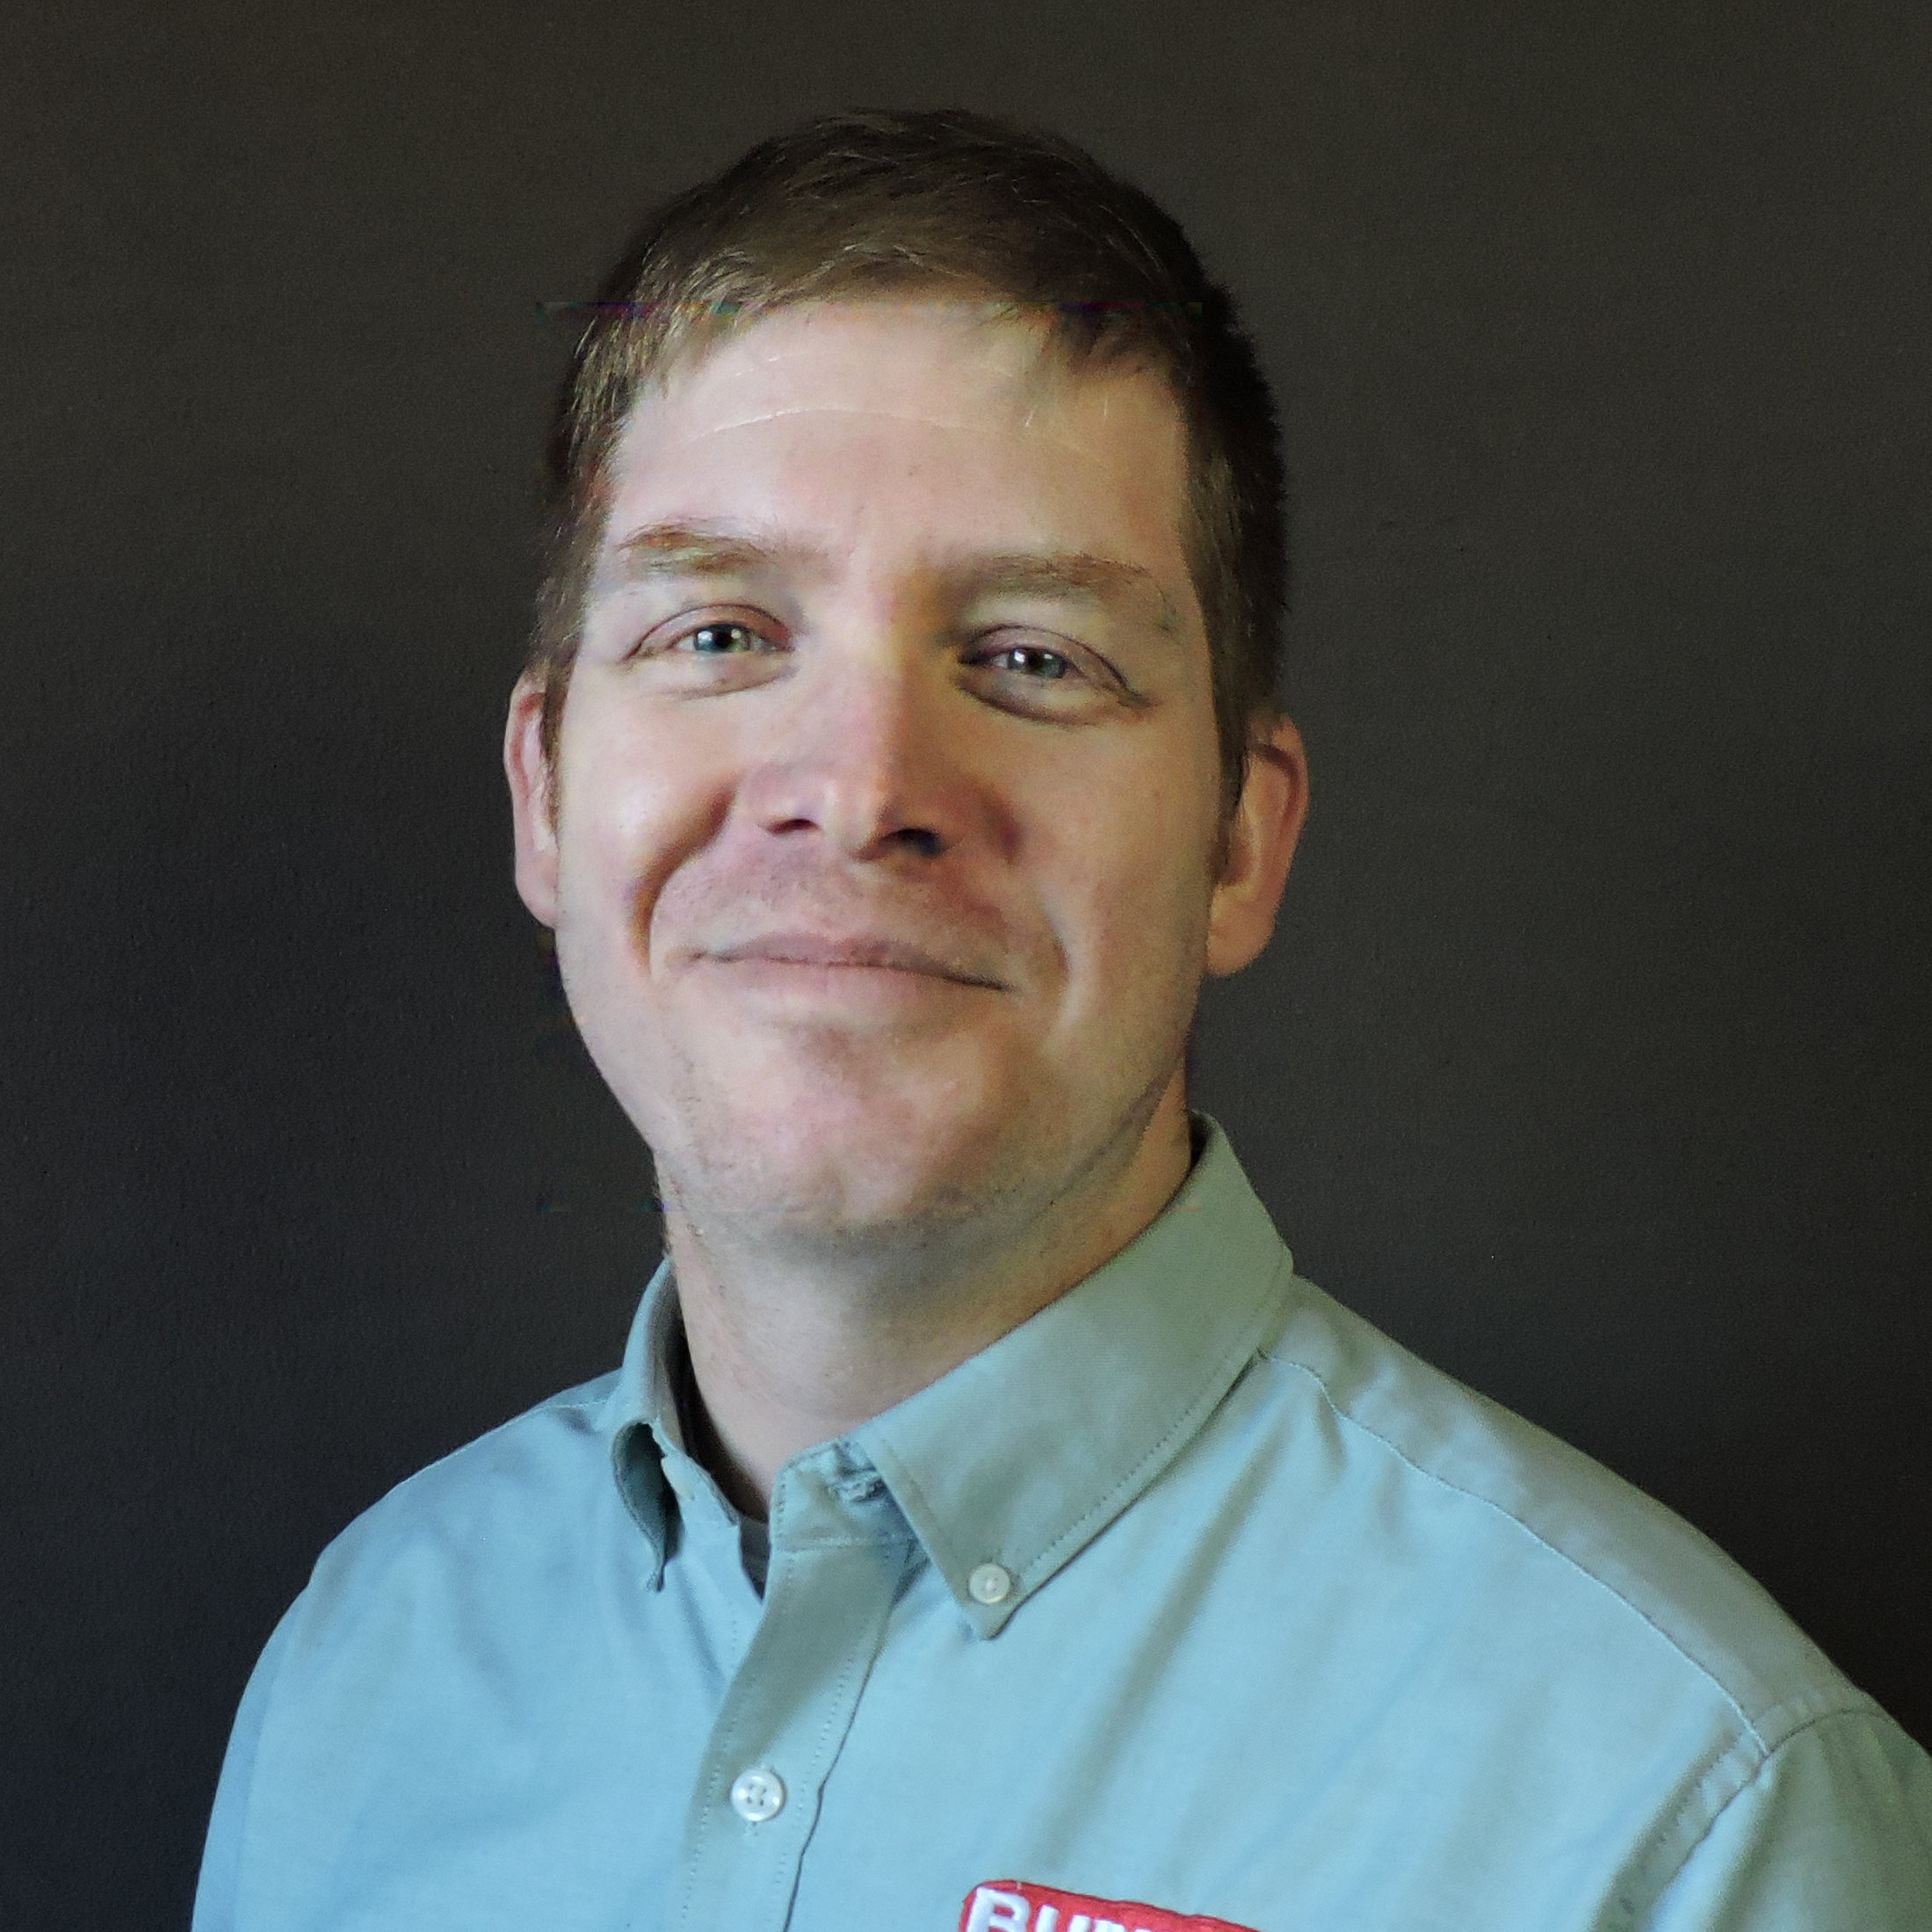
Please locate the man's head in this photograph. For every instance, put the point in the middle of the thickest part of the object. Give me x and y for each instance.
(874, 765)
(947, 203)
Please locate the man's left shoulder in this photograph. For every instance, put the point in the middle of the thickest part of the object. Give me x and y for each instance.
(1603, 1556)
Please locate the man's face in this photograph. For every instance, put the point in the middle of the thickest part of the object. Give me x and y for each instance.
(887, 783)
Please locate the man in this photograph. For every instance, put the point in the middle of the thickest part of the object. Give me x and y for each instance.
(986, 1527)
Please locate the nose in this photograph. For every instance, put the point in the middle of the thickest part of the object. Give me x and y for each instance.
(863, 759)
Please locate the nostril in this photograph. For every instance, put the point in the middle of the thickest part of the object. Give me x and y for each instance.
(927, 844)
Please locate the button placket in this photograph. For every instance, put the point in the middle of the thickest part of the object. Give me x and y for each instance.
(836, 1561)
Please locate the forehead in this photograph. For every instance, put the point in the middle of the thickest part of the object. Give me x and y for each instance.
(921, 419)
(896, 355)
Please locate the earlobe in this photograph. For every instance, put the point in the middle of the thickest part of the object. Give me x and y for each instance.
(1262, 839)
(532, 801)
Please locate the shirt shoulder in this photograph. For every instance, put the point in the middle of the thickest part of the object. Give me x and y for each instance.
(1680, 1608)
(519, 1495)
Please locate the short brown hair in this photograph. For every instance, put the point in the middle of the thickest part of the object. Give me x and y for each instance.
(857, 205)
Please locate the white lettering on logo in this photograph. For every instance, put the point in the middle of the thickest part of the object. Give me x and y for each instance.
(998, 1912)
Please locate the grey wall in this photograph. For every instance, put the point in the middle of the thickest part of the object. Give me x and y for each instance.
(1592, 1058)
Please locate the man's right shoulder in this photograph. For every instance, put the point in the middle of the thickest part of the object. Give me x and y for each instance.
(519, 1495)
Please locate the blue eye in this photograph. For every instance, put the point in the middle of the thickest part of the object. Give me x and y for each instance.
(1031, 662)
(722, 640)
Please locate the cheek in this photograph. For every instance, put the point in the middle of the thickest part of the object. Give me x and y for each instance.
(1128, 880)
(637, 799)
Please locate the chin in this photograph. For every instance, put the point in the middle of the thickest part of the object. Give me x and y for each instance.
(881, 1159)
(838, 1161)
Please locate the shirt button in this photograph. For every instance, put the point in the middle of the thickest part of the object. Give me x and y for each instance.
(757, 1794)
(990, 1584)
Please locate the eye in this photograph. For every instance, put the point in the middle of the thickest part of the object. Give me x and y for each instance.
(725, 640)
(1045, 675)
(710, 652)
(1032, 662)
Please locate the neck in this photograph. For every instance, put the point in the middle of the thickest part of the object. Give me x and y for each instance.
(787, 1351)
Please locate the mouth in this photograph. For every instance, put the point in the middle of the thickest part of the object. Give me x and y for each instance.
(856, 952)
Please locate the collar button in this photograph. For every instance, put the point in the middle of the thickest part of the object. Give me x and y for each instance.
(990, 1584)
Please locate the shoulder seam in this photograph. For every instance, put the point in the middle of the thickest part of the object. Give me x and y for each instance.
(1751, 1729)
(1720, 1812)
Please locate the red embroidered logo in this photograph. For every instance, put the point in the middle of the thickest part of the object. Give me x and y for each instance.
(1007, 1905)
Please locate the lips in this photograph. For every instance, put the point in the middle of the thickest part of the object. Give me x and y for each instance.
(855, 949)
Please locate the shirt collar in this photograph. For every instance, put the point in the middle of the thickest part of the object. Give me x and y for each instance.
(641, 1418)
(1017, 1458)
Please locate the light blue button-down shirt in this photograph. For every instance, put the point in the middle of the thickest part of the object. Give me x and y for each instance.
(1193, 1591)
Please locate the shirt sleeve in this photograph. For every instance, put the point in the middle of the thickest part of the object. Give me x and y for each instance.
(1833, 1834)
(215, 1902)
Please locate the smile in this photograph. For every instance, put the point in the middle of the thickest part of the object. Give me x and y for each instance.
(861, 953)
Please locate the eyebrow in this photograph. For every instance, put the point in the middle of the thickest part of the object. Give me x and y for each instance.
(1067, 574)
(697, 550)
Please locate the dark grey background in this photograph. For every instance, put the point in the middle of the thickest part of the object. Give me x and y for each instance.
(1592, 1058)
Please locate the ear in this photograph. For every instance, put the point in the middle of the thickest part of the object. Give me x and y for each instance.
(532, 800)
(1261, 841)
